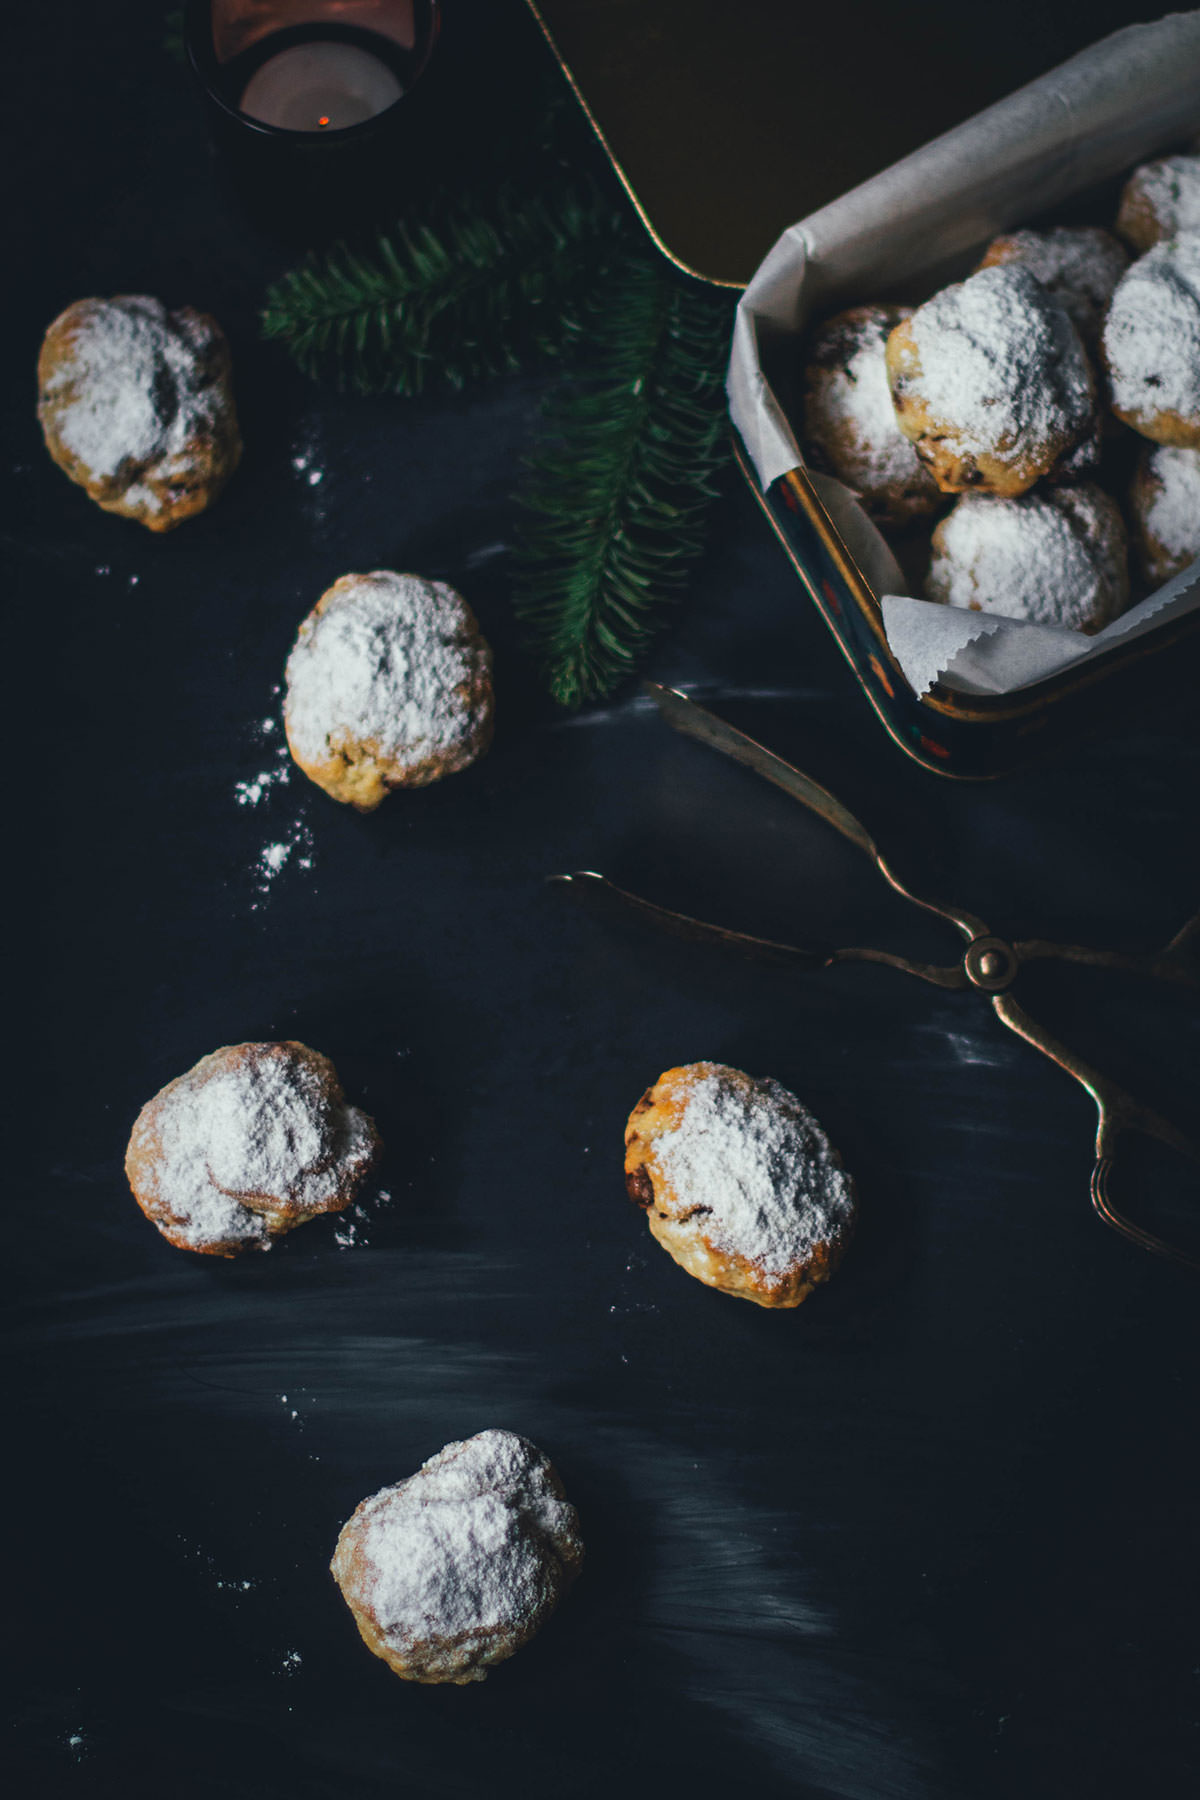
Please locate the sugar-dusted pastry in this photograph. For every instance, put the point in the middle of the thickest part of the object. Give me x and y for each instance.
(1152, 343)
(1160, 199)
(991, 382)
(136, 406)
(1165, 507)
(452, 1570)
(250, 1143)
(739, 1183)
(850, 427)
(1078, 265)
(389, 686)
(1054, 558)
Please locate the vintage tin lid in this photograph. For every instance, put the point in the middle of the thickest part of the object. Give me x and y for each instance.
(729, 119)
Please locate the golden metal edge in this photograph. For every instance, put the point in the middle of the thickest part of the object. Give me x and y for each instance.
(651, 229)
(806, 581)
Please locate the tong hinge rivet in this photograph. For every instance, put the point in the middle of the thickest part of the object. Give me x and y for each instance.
(990, 963)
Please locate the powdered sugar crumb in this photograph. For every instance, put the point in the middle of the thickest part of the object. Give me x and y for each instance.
(1079, 265)
(391, 661)
(139, 388)
(1054, 558)
(1001, 365)
(470, 1549)
(1170, 190)
(253, 791)
(274, 857)
(1174, 516)
(252, 1137)
(1152, 333)
(751, 1162)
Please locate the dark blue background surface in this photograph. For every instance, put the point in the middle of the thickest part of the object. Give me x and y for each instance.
(931, 1537)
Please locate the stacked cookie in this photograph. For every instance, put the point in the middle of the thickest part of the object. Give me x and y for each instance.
(1006, 391)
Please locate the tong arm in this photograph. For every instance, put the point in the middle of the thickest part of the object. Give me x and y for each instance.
(695, 721)
(1176, 962)
(1117, 1114)
(606, 897)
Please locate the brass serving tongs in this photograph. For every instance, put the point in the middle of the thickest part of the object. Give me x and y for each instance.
(989, 964)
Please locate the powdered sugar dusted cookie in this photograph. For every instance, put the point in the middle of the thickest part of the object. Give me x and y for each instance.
(850, 427)
(136, 406)
(991, 382)
(250, 1143)
(452, 1570)
(1053, 558)
(1160, 199)
(739, 1183)
(1152, 343)
(389, 686)
(1078, 265)
(1165, 504)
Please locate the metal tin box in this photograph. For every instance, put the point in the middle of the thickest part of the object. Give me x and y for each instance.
(911, 228)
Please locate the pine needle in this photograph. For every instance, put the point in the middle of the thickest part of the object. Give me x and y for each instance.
(618, 501)
(460, 291)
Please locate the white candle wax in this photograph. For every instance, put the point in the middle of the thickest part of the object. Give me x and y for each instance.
(320, 87)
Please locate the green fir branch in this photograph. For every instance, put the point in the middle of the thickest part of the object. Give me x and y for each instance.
(618, 499)
(460, 291)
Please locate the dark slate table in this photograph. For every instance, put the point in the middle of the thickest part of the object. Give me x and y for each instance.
(932, 1537)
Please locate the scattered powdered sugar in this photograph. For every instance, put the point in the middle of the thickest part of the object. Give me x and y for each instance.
(139, 387)
(390, 660)
(289, 1663)
(274, 857)
(253, 791)
(1152, 333)
(752, 1160)
(1056, 558)
(1079, 265)
(469, 1546)
(350, 1233)
(1167, 497)
(1002, 366)
(1169, 190)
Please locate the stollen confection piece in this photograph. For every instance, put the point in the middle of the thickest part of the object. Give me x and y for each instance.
(991, 382)
(136, 406)
(1054, 558)
(739, 1183)
(1165, 506)
(850, 427)
(1160, 199)
(250, 1143)
(452, 1570)
(1078, 265)
(389, 686)
(1151, 343)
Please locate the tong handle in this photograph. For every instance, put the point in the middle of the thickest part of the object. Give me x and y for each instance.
(1117, 1114)
(695, 721)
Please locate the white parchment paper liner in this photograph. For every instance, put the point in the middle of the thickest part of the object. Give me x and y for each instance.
(1113, 105)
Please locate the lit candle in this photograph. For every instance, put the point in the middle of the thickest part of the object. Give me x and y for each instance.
(322, 86)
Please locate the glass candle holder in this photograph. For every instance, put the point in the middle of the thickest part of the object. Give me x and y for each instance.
(314, 103)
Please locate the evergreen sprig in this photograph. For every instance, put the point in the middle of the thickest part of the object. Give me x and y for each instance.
(619, 496)
(459, 291)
